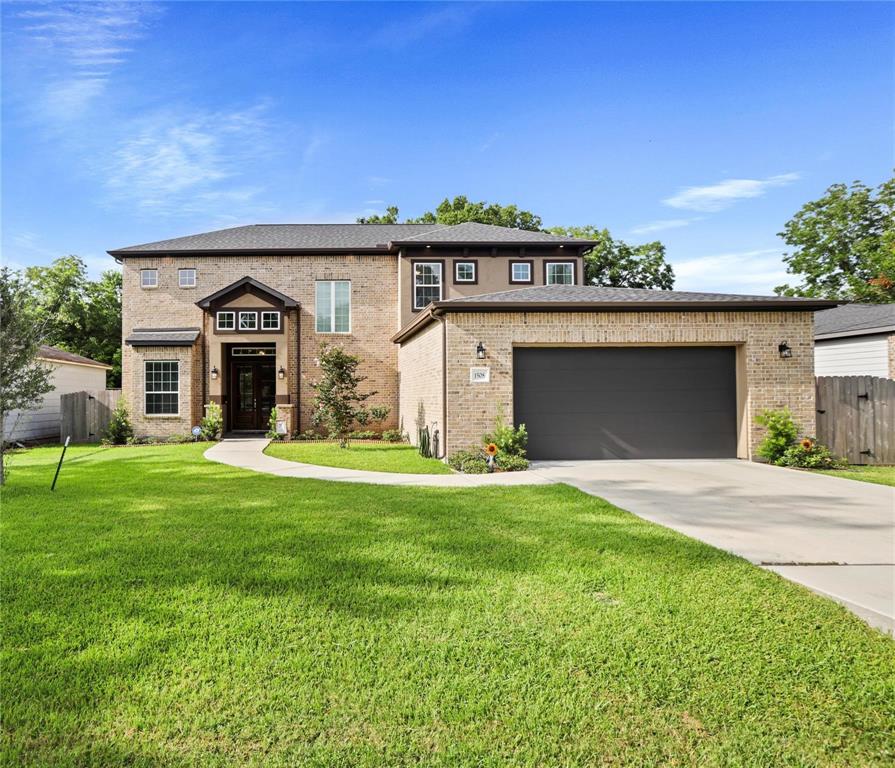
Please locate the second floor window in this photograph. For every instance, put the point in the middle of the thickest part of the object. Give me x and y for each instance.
(333, 307)
(520, 272)
(186, 278)
(464, 272)
(560, 273)
(149, 278)
(226, 321)
(270, 321)
(248, 321)
(426, 283)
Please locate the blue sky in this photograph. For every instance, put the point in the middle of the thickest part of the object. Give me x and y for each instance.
(703, 125)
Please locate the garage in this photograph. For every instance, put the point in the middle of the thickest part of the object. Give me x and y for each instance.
(627, 402)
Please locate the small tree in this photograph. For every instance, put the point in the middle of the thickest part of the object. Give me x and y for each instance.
(23, 379)
(119, 430)
(338, 404)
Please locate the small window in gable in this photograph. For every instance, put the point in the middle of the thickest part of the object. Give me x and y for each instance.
(248, 321)
(226, 321)
(270, 321)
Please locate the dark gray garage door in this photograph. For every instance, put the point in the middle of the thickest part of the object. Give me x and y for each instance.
(626, 402)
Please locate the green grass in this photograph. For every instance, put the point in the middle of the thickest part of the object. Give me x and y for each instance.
(880, 475)
(376, 457)
(164, 610)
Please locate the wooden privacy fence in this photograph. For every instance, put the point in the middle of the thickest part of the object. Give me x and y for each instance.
(856, 417)
(86, 415)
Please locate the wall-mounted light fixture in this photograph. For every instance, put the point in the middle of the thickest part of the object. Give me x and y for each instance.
(480, 351)
(281, 374)
(214, 372)
(784, 349)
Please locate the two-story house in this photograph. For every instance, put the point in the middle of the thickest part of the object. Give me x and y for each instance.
(454, 325)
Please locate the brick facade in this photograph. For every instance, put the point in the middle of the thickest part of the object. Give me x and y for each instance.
(420, 361)
(133, 380)
(764, 379)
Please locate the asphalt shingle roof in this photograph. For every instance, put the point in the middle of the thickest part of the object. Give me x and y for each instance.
(63, 356)
(853, 319)
(339, 237)
(163, 337)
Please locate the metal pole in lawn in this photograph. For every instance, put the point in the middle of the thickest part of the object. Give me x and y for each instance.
(59, 465)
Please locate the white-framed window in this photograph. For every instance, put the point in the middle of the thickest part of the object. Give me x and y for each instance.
(464, 272)
(186, 278)
(560, 273)
(226, 321)
(520, 272)
(427, 283)
(270, 321)
(248, 321)
(333, 306)
(162, 387)
(149, 278)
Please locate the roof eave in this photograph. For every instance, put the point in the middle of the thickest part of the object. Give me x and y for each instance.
(127, 252)
(627, 306)
(493, 243)
(883, 329)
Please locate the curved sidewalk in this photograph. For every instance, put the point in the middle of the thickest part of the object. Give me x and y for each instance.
(248, 453)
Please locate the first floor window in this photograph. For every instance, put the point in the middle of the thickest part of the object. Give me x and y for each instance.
(464, 272)
(149, 278)
(560, 273)
(426, 283)
(270, 321)
(226, 321)
(333, 306)
(520, 272)
(186, 278)
(162, 387)
(248, 321)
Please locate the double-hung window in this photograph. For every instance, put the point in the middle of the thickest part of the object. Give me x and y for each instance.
(248, 321)
(149, 278)
(333, 306)
(162, 387)
(560, 273)
(427, 283)
(186, 278)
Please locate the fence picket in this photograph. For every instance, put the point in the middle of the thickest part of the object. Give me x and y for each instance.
(851, 425)
(86, 415)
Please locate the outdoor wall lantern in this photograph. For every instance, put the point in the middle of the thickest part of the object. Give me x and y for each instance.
(281, 374)
(214, 372)
(480, 351)
(784, 349)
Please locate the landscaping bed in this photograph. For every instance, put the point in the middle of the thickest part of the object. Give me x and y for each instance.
(160, 609)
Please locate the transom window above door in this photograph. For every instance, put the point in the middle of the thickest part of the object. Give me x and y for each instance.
(559, 273)
(427, 283)
(333, 306)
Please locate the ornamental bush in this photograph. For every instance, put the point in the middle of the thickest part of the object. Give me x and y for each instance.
(809, 454)
(509, 441)
(782, 433)
(120, 431)
(212, 424)
(393, 436)
(510, 463)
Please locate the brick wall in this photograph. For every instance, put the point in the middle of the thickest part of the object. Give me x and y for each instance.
(420, 363)
(374, 314)
(190, 390)
(766, 380)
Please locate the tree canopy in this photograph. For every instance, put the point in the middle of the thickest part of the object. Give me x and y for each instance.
(844, 244)
(462, 209)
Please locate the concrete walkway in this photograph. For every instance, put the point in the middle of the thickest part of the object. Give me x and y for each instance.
(832, 535)
(248, 453)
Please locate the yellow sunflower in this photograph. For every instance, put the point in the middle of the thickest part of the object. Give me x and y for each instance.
(806, 444)
(491, 449)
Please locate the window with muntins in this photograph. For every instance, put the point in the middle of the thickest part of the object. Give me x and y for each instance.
(248, 321)
(560, 273)
(226, 321)
(333, 306)
(186, 278)
(270, 321)
(149, 278)
(426, 283)
(520, 272)
(464, 272)
(162, 387)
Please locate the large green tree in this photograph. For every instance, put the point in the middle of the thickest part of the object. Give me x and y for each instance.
(461, 209)
(78, 314)
(615, 263)
(844, 244)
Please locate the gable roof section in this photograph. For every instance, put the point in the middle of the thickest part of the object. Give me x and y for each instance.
(591, 298)
(313, 238)
(247, 285)
(56, 355)
(854, 320)
(163, 337)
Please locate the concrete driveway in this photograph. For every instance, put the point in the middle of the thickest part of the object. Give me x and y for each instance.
(833, 535)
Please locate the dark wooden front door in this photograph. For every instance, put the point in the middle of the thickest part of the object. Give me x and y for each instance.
(253, 393)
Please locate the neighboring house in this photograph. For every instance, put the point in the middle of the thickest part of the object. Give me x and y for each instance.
(462, 323)
(855, 340)
(70, 373)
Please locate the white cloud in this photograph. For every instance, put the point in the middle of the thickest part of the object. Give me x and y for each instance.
(73, 50)
(661, 225)
(750, 272)
(716, 197)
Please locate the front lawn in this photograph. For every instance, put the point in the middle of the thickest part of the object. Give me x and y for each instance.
(880, 475)
(376, 457)
(160, 609)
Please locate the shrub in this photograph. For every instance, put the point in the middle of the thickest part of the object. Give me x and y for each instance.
(178, 439)
(338, 404)
(120, 430)
(809, 454)
(393, 436)
(458, 459)
(509, 441)
(477, 466)
(272, 433)
(308, 434)
(510, 463)
(139, 440)
(212, 424)
(782, 433)
(380, 412)
(367, 434)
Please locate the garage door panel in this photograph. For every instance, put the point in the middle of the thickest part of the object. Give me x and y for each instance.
(637, 402)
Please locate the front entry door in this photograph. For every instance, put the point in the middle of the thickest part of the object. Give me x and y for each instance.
(253, 385)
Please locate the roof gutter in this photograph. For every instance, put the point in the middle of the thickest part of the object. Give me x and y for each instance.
(858, 332)
(629, 306)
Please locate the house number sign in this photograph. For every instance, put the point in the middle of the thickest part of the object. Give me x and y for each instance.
(479, 375)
